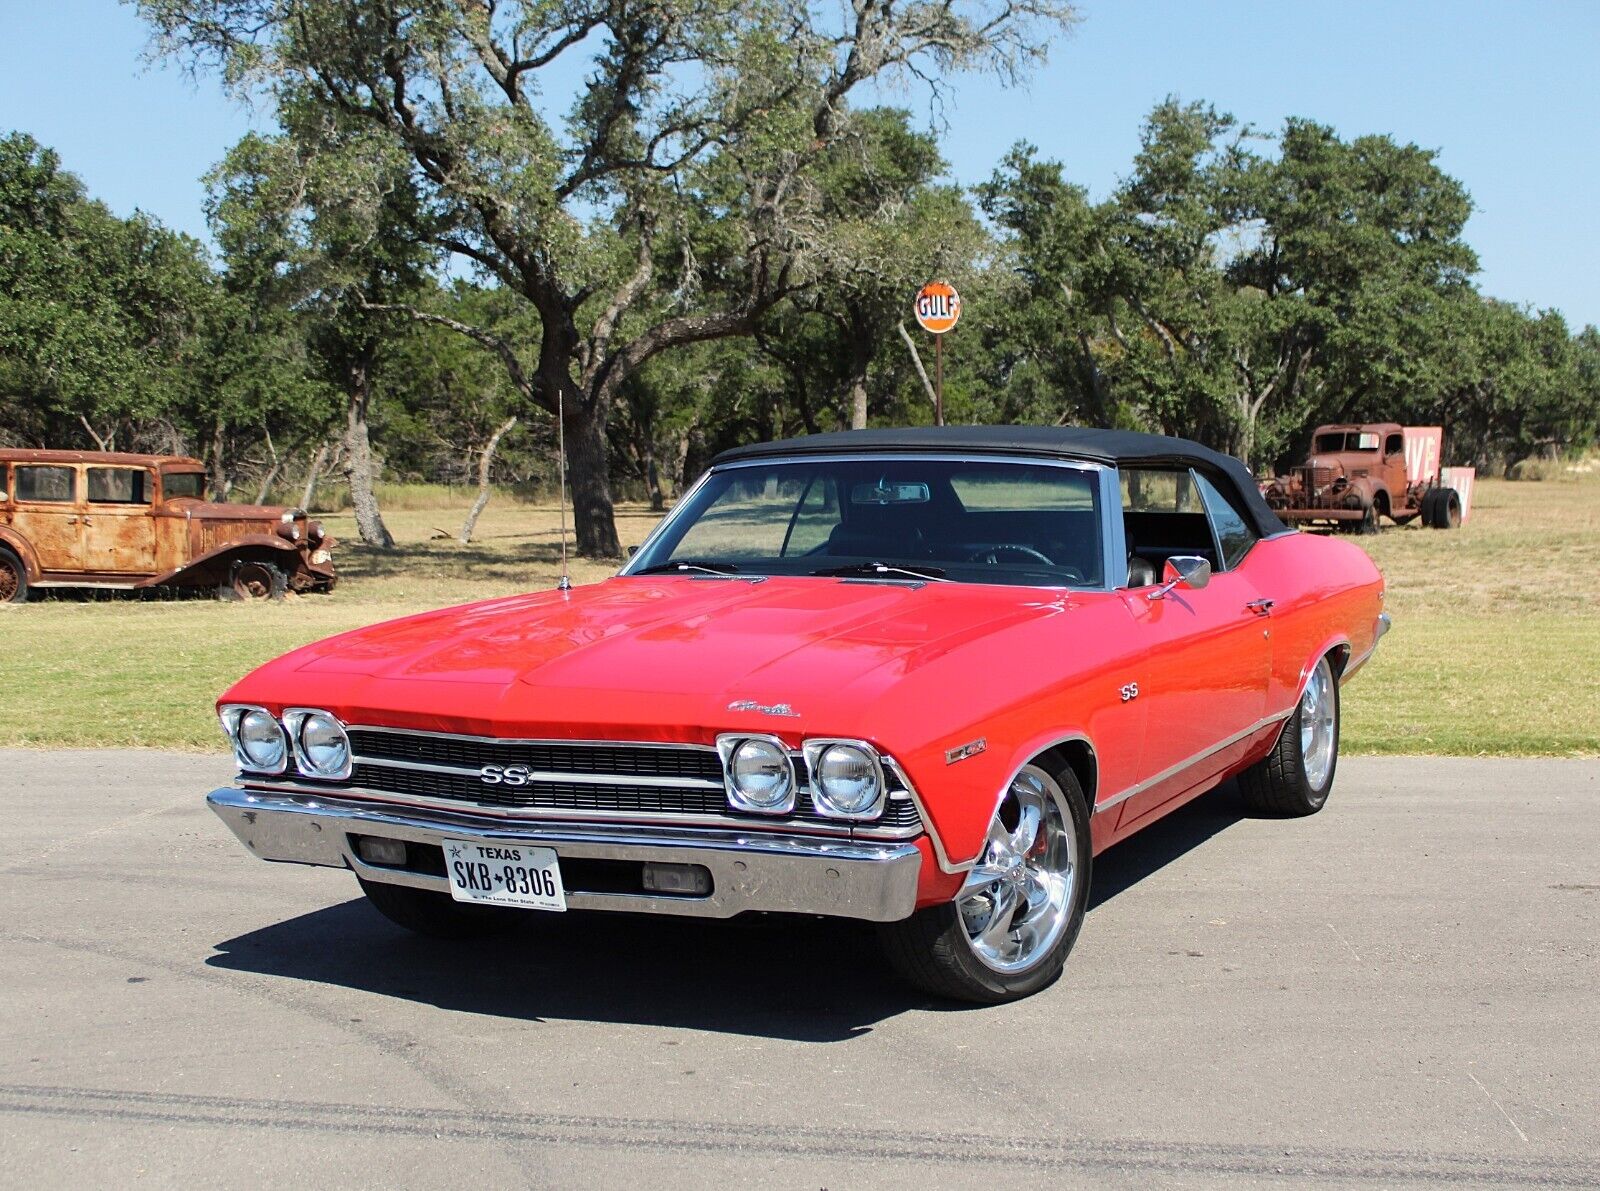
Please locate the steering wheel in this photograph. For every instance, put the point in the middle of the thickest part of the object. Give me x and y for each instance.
(991, 554)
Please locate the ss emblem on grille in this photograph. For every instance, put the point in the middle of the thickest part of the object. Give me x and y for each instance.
(505, 775)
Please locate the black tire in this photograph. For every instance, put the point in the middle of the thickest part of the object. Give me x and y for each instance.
(1277, 786)
(930, 949)
(1369, 520)
(13, 579)
(1448, 510)
(437, 915)
(254, 579)
(1430, 501)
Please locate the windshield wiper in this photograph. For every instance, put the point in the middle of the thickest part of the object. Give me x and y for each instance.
(718, 570)
(882, 568)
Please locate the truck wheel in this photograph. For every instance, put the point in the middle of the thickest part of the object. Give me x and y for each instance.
(1447, 511)
(1295, 777)
(13, 579)
(1369, 520)
(249, 579)
(1007, 933)
(437, 915)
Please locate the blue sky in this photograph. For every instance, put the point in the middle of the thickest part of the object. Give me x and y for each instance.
(1508, 94)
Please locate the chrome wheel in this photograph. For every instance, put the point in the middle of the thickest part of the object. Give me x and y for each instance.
(1019, 896)
(1319, 726)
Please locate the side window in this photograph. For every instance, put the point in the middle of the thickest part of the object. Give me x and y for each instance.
(119, 486)
(1234, 534)
(1395, 445)
(1146, 490)
(45, 484)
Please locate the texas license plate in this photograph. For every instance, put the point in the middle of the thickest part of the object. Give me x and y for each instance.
(504, 875)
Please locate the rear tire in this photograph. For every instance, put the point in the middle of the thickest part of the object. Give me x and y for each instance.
(943, 949)
(437, 915)
(1294, 778)
(13, 579)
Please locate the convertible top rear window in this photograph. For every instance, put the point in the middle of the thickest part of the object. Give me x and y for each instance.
(997, 521)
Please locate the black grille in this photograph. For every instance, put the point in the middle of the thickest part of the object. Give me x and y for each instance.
(611, 760)
(633, 760)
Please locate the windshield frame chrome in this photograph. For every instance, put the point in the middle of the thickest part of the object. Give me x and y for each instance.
(1113, 568)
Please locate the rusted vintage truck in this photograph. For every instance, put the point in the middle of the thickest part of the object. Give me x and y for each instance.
(111, 520)
(1357, 474)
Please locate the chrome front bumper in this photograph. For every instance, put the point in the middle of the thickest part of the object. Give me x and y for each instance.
(749, 870)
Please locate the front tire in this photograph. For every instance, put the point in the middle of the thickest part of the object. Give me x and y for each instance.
(13, 579)
(1008, 932)
(437, 915)
(1294, 778)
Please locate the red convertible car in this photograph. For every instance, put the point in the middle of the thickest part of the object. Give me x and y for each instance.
(917, 677)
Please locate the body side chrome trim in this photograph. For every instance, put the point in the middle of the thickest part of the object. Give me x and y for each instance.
(1173, 771)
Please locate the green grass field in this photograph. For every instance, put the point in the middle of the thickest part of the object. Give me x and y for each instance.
(1495, 650)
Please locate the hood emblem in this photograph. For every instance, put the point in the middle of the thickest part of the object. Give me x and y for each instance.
(763, 708)
(962, 751)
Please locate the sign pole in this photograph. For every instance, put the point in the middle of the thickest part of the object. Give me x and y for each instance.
(938, 309)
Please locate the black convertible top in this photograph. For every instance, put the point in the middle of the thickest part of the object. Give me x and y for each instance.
(1114, 447)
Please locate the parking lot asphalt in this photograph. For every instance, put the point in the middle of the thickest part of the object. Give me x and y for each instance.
(1404, 989)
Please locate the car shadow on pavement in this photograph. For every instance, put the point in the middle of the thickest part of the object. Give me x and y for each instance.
(1123, 866)
(774, 976)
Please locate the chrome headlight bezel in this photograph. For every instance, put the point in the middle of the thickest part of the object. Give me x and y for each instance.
(233, 716)
(815, 750)
(728, 746)
(295, 721)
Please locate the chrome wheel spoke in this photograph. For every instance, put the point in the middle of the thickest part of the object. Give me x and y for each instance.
(980, 880)
(994, 931)
(1021, 840)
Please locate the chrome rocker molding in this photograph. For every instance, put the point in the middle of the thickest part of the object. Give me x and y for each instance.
(873, 881)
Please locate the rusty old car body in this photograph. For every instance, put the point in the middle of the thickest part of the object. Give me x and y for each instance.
(915, 677)
(115, 520)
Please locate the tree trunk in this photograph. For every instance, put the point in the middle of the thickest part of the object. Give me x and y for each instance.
(485, 463)
(861, 345)
(593, 516)
(272, 472)
(358, 463)
(221, 482)
(313, 474)
(652, 479)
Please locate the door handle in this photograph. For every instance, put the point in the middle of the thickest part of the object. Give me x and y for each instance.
(1261, 607)
(72, 521)
(87, 521)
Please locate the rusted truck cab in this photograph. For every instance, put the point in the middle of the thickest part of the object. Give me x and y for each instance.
(1357, 474)
(113, 520)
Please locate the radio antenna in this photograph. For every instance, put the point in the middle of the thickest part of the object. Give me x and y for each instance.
(565, 583)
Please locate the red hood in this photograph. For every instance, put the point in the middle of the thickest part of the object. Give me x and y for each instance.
(648, 658)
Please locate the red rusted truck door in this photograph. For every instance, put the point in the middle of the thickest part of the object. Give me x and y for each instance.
(119, 533)
(45, 511)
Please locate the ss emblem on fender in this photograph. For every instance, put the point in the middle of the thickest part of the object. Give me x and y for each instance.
(1130, 691)
(509, 775)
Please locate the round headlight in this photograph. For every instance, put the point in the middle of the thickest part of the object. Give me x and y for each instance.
(261, 743)
(324, 747)
(846, 781)
(760, 777)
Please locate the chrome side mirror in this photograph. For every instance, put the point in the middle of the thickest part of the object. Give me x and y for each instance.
(1188, 569)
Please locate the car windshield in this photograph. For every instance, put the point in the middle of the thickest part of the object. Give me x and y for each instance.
(183, 483)
(896, 519)
(1340, 440)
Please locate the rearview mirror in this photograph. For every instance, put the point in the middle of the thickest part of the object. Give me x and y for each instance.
(1188, 569)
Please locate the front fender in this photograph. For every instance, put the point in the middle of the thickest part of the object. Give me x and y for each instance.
(18, 545)
(211, 566)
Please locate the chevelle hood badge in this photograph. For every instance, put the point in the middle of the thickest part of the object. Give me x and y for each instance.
(763, 708)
